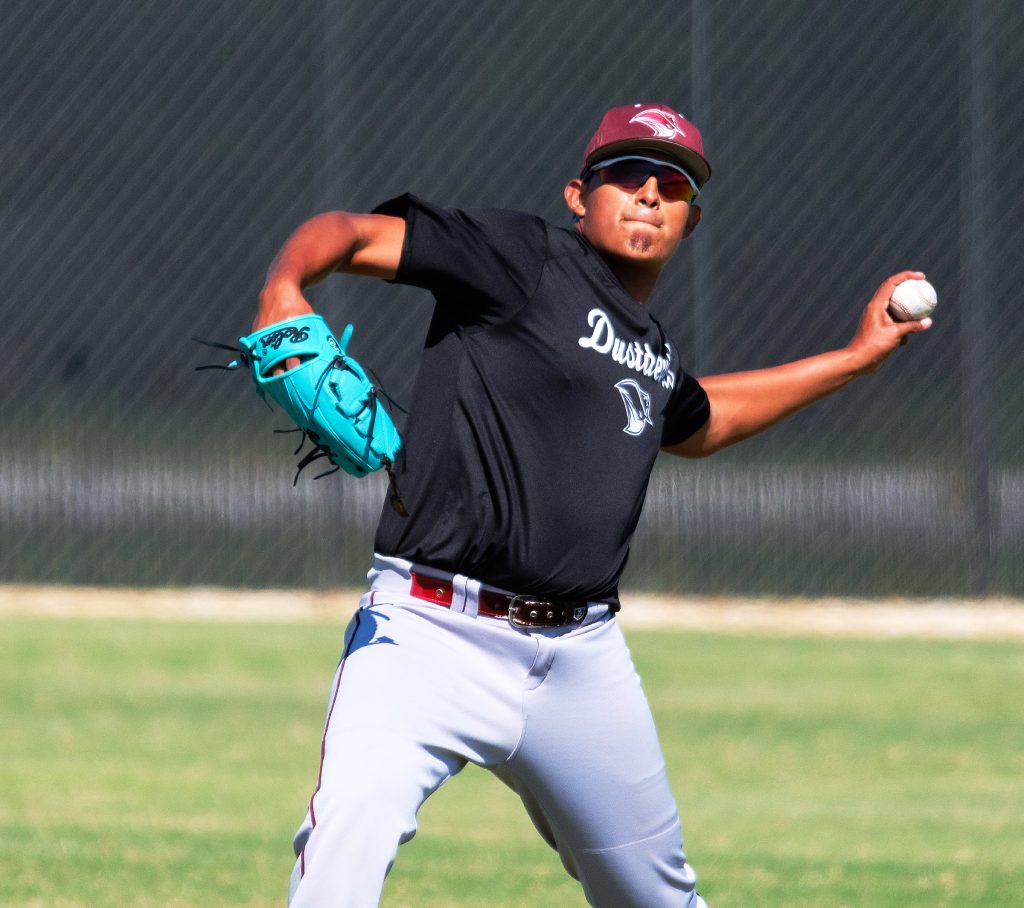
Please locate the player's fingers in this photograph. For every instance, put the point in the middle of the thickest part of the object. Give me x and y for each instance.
(291, 363)
(908, 328)
(884, 292)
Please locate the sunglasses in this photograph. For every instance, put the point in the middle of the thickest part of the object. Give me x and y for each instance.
(632, 173)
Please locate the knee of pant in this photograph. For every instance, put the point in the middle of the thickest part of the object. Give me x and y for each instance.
(644, 874)
(368, 810)
(352, 834)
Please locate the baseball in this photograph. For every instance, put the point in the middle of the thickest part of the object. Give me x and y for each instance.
(912, 300)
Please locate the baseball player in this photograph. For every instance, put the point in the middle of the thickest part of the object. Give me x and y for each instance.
(546, 391)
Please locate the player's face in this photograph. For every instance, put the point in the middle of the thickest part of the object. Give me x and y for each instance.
(634, 212)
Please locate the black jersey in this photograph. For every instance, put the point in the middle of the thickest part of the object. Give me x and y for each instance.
(544, 394)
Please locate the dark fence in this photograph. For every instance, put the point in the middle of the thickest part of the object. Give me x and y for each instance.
(155, 156)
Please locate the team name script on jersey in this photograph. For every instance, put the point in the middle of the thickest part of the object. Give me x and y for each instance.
(633, 355)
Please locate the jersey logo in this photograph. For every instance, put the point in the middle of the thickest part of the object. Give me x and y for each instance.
(633, 355)
(638, 406)
(663, 124)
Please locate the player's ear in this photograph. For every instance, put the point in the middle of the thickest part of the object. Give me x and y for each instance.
(692, 220)
(575, 197)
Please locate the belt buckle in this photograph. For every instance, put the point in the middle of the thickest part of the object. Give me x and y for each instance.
(525, 613)
(528, 613)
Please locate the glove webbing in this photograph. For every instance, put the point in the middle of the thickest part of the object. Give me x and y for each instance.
(341, 362)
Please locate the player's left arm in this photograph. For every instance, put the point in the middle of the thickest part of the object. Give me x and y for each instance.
(743, 404)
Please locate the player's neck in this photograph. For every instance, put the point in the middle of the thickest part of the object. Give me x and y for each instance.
(638, 280)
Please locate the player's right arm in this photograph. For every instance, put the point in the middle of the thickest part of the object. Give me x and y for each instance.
(743, 404)
(369, 244)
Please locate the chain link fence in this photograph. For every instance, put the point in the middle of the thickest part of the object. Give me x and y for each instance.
(157, 154)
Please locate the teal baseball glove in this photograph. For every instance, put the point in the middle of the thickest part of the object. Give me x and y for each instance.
(325, 392)
(327, 395)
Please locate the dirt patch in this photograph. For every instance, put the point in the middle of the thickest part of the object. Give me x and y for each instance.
(991, 619)
(190, 603)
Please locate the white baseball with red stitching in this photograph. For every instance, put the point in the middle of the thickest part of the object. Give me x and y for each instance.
(912, 301)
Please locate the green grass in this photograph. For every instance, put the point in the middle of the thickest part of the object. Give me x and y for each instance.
(151, 763)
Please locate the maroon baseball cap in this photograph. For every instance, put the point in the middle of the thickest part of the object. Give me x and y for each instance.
(649, 127)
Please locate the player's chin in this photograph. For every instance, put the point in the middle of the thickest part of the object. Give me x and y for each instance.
(647, 245)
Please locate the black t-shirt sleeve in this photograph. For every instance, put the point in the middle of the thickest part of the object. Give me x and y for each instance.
(687, 410)
(483, 265)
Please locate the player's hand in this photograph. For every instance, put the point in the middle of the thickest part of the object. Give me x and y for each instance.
(279, 302)
(878, 333)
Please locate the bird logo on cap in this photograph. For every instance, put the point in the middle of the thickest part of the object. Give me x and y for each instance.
(663, 124)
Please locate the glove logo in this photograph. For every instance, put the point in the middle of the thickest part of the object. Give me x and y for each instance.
(293, 335)
(638, 406)
(663, 124)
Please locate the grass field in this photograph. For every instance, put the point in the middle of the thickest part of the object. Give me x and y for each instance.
(166, 763)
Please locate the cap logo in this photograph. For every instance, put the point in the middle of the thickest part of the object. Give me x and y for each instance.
(660, 122)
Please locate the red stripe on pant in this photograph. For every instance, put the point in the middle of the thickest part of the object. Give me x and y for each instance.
(323, 741)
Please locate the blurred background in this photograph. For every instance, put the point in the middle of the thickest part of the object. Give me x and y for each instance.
(155, 155)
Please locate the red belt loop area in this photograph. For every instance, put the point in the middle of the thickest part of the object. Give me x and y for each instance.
(431, 589)
(519, 610)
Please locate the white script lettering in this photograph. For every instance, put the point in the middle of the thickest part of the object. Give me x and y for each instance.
(633, 355)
